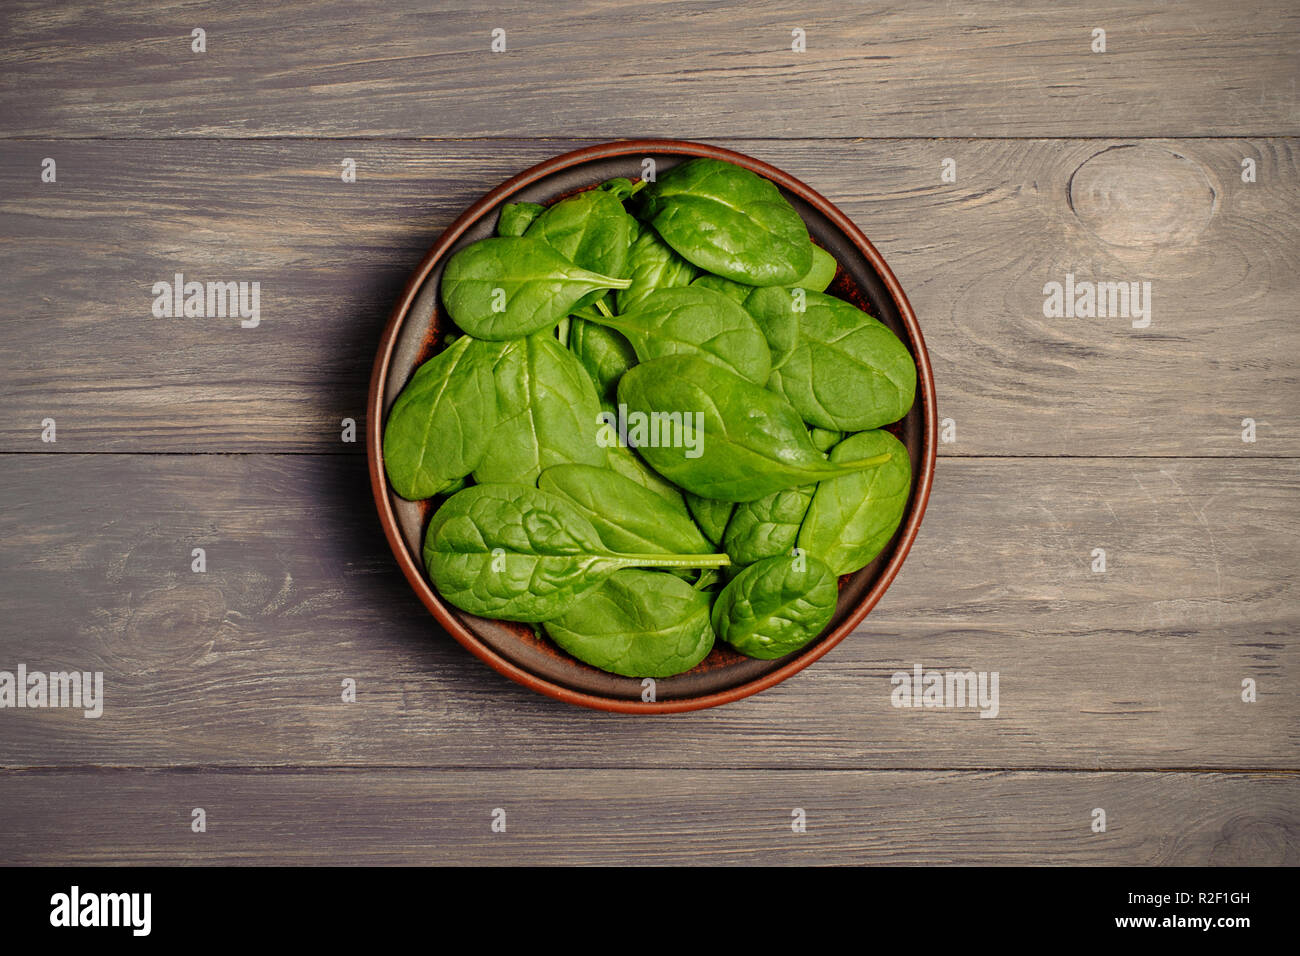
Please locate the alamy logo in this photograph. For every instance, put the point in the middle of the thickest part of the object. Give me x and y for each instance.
(208, 300)
(80, 690)
(75, 908)
(653, 430)
(1100, 300)
(923, 688)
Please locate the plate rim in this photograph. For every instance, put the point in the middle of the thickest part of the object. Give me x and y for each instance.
(414, 573)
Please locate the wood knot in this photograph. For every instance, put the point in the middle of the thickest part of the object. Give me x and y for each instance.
(173, 624)
(1256, 839)
(1142, 196)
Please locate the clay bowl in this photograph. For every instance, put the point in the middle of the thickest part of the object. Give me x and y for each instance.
(418, 324)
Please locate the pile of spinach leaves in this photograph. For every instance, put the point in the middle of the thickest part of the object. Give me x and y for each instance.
(698, 295)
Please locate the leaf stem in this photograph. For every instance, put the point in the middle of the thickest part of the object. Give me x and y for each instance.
(675, 560)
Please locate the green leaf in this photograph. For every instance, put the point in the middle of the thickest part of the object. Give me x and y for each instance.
(629, 464)
(817, 278)
(654, 265)
(821, 274)
(510, 287)
(729, 221)
(516, 217)
(547, 413)
(775, 607)
(521, 554)
(847, 372)
(638, 624)
(824, 438)
(769, 526)
(675, 321)
(777, 320)
(622, 188)
(750, 441)
(710, 514)
(853, 517)
(590, 229)
(604, 352)
(628, 516)
(438, 428)
(734, 291)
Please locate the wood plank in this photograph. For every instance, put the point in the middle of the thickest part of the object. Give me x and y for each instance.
(651, 817)
(682, 69)
(1222, 257)
(1138, 667)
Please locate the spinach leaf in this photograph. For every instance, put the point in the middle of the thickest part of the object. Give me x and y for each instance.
(734, 291)
(824, 438)
(455, 486)
(780, 326)
(516, 217)
(604, 352)
(654, 265)
(776, 606)
(821, 274)
(592, 230)
(852, 518)
(547, 413)
(769, 526)
(622, 187)
(847, 371)
(750, 443)
(674, 321)
(638, 624)
(507, 287)
(817, 278)
(729, 221)
(624, 460)
(521, 554)
(710, 514)
(438, 428)
(628, 463)
(777, 320)
(628, 516)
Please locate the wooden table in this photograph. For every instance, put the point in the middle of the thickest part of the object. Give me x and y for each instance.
(1169, 158)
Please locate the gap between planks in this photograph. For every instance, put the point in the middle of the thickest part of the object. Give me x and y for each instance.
(1154, 137)
(943, 457)
(323, 769)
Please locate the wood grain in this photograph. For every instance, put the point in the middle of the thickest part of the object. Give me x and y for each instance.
(679, 69)
(1139, 667)
(647, 817)
(1119, 690)
(1222, 257)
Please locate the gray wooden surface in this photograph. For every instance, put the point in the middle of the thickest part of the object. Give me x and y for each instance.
(684, 68)
(633, 816)
(1119, 690)
(973, 256)
(1138, 667)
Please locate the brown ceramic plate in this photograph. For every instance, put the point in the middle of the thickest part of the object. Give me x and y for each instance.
(417, 325)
